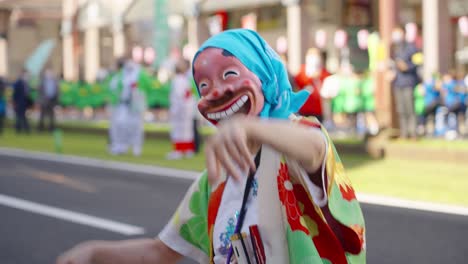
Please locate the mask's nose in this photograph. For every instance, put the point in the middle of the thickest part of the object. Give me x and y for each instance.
(219, 91)
(213, 94)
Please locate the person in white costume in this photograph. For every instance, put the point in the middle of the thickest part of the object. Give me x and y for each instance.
(181, 113)
(127, 116)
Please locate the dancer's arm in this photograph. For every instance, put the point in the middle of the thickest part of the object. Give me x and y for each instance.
(141, 251)
(238, 138)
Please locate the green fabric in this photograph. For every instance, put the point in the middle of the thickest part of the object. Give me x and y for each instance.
(67, 93)
(337, 102)
(195, 230)
(367, 94)
(34, 94)
(152, 95)
(419, 100)
(158, 96)
(360, 258)
(351, 99)
(114, 92)
(342, 202)
(97, 95)
(145, 82)
(304, 250)
(346, 212)
(81, 94)
(83, 91)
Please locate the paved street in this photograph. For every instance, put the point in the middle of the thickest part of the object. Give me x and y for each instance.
(141, 201)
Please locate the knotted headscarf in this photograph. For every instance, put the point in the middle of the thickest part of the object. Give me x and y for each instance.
(253, 51)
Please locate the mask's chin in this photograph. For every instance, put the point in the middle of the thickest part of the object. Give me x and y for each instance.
(241, 105)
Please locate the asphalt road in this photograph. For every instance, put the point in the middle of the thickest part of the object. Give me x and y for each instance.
(394, 235)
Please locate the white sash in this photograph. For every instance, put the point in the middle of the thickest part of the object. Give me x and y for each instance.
(270, 217)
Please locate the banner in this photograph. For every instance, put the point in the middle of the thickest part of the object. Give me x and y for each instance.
(161, 32)
(36, 61)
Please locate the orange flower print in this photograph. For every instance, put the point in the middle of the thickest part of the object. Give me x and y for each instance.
(361, 235)
(288, 199)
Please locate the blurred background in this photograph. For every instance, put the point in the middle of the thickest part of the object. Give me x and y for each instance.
(388, 79)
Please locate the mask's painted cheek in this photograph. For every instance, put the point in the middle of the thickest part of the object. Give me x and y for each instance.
(258, 102)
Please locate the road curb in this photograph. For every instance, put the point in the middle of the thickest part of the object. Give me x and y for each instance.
(99, 163)
(191, 175)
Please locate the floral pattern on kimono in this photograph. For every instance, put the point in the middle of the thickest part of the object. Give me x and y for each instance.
(310, 238)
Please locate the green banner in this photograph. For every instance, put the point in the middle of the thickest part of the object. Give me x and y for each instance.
(81, 94)
(161, 32)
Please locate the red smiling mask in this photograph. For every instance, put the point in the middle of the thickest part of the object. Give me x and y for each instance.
(226, 86)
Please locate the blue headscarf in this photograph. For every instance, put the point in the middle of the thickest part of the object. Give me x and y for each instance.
(247, 46)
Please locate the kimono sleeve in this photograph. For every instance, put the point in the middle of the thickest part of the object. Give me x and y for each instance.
(338, 196)
(187, 231)
(343, 205)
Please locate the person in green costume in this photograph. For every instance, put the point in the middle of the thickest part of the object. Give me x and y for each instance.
(367, 92)
(351, 99)
(129, 85)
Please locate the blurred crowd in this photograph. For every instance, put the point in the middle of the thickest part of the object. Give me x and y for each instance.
(433, 106)
(124, 94)
(343, 100)
(441, 105)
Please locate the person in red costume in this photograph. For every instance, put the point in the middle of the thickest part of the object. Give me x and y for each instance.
(310, 77)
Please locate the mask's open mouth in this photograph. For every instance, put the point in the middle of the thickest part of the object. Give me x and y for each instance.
(240, 105)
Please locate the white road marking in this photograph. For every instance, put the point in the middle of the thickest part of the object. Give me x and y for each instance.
(71, 216)
(409, 204)
(191, 175)
(98, 163)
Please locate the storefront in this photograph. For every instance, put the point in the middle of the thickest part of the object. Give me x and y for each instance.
(322, 18)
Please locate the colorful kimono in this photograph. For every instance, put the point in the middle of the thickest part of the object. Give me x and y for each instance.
(294, 216)
(301, 228)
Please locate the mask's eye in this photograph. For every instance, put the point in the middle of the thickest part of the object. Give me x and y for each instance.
(230, 73)
(203, 85)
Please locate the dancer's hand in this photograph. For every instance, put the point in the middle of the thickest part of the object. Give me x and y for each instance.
(229, 149)
(80, 254)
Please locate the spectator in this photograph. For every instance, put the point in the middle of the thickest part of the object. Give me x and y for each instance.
(452, 101)
(367, 92)
(197, 117)
(21, 102)
(2, 104)
(48, 98)
(127, 117)
(462, 91)
(352, 103)
(406, 79)
(181, 113)
(311, 77)
(329, 93)
(432, 100)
